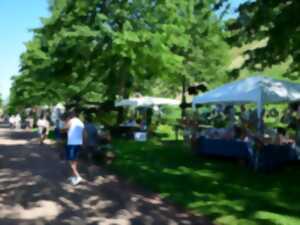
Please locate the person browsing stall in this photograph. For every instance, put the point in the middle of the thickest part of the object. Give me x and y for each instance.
(90, 136)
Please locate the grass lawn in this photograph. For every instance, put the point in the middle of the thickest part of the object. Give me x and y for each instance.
(225, 191)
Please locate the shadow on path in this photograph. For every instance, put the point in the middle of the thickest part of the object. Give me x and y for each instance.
(34, 191)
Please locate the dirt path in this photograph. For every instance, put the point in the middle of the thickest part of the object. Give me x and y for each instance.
(34, 191)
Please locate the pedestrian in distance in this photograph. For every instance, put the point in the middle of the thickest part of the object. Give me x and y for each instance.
(18, 121)
(43, 128)
(12, 121)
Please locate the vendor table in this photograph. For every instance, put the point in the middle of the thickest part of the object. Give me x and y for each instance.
(125, 131)
(267, 158)
(274, 156)
(179, 127)
(219, 147)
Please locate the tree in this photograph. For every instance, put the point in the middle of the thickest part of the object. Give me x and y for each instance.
(103, 50)
(276, 23)
(1, 101)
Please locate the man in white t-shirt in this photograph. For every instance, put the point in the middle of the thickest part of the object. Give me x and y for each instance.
(75, 140)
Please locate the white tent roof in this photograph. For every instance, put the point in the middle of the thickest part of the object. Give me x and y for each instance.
(146, 102)
(59, 106)
(257, 89)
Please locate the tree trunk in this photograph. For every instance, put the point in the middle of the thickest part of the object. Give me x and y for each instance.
(121, 114)
(121, 110)
(183, 98)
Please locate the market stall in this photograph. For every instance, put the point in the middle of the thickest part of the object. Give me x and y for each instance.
(146, 102)
(138, 129)
(260, 91)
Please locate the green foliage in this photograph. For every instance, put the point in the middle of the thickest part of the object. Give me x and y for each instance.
(106, 119)
(170, 114)
(104, 50)
(276, 23)
(1, 101)
(227, 192)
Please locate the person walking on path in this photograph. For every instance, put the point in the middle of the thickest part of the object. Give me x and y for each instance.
(43, 128)
(12, 122)
(18, 121)
(75, 129)
(90, 137)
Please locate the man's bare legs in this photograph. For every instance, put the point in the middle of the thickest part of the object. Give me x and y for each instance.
(74, 166)
(76, 178)
(42, 139)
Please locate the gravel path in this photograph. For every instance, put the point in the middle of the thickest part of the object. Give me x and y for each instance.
(34, 191)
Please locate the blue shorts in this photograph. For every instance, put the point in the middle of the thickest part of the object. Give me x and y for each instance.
(72, 152)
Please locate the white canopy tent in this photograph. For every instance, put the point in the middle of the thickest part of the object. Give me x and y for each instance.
(146, 102)
(258, 89)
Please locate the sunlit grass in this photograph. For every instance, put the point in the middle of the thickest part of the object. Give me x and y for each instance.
(225, 191)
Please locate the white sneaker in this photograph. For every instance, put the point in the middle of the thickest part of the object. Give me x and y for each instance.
(71, 178)
(76, 180)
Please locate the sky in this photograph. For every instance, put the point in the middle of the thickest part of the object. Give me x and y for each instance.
(17, 17)
(234, 5)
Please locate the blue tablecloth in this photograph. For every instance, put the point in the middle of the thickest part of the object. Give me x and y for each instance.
(268, 158)
(226, 148)
(274, 156)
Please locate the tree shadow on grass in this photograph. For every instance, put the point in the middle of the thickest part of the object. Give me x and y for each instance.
(225, 191)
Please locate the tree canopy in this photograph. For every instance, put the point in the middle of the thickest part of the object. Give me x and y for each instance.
(277, 24)
(103, 50)
(1, 101)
